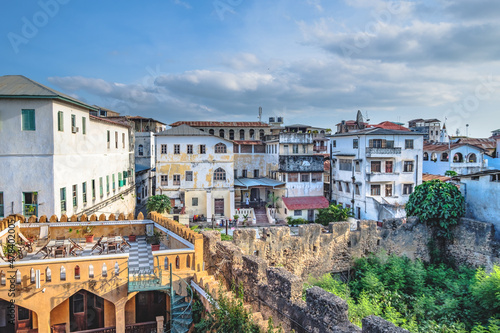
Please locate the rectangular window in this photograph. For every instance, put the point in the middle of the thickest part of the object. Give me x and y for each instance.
(30, 203)
(256, 173)
(304, 149)
(109, 139)
(408, 144)
(203, 149)
(475, 178)
(495, 178)
(356, 189)
(164, 180)
(113, 179)
(28, 120)
(389, 167)
(347, 188)
(408, 166)
(84, 192)
(93, 189)
(63, 199)
(60, 121)
(375, 143)
(189, 176)
(177, 149)
(295, 149)
(84, 125)
(101, 189)
(1, 204)
(407, 189)
(304, 178)
(345, 164)
(194, 202)
(357, 166)
(120, 180)
(73, 123)
(375, 166)
(297, 213)
(116, 140)
(177, 180)
(189, 149)
(388, 190)
(355, 143)
(293, 177)
(334, 143)
(375, 190)
(75, 198)
(235, 173)
(107, 184)
(339, 186)
(123, 140)
(244, 173)
(316, 177)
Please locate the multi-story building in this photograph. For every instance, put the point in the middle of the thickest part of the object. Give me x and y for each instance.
(375, 170)
(195, 170)
(430, 128)
(231, 130)
(462, 158)
(57, 158)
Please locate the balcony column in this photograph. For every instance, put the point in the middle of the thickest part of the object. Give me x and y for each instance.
(209, 206)
(43, 321)
(120, 317)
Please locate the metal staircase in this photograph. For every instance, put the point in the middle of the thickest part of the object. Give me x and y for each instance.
(180, 306)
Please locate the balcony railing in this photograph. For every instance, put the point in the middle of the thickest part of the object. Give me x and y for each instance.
(383, 151)
(319, 148)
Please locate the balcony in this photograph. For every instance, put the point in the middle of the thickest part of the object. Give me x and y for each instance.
(319, 148)
(382, 177)
(382, 152)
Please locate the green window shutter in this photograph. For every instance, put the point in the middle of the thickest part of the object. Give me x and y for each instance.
(101, 191)
(84, 125)
(120, 181)
(113, 176)
(60, 121)
(28, 120)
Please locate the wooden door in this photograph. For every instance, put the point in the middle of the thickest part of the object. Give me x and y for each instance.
(219, 206)
(5, 326)
(255, 194)
(149, 305)
(23, 318)
(310, 215)
(86, 311)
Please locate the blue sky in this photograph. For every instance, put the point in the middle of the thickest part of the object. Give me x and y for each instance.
(310, 61)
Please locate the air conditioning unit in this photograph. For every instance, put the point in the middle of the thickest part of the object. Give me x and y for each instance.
(74, 129)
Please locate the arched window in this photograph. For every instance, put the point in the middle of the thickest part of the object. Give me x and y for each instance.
(221, 133)
(434, 157)
(220, 148)
(219, 174)
(261, 134)
(3, 279)
(165, 263)
(18, 277)
(472, 158)
(32, 275)
(444, 157)
(77, 272)
(177, 262)
(91, 271)
(242, 134)
(141, 150)
(426, 156)
(48, 275)
(188, 261)
(63, 273)
(458, 158)
(231, 134)
(117, 268)
(104, 270)
(211, 131)
(252, 134)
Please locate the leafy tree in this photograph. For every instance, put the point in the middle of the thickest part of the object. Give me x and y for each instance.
(438, 204)
(334, 213)
(158, 203)
(450, 173)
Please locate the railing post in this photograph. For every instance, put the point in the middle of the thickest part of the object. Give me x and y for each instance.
(159, 324)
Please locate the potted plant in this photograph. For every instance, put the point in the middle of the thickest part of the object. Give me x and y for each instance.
(132, 236)
(245, 219)
(87, 233)
(155, 240)
(236, 217)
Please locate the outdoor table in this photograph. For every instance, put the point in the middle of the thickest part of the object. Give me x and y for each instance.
(117, 240)
(53, 244)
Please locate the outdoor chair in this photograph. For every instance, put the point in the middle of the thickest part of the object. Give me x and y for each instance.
(60, 250)
(44, 250)
(26, 243)
(74, 248)
(112, 246)
(98, 246)
(44, 233)
(124, 245)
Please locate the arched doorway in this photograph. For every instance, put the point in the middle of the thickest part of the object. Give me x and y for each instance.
(86, 311)
(22, 317)
(149, 305)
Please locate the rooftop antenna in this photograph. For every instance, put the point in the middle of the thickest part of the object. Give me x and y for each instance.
(467, 130)
(366, 116)
(260, 113)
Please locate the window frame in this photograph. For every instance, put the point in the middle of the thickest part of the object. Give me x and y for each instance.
(176, 179)
(408, 166)
(305, 178)
(375, 188)
(409, 144)
(405, 187)
(28, 120)
(60, 121)
(62, 197)
(203, 149)
(177, 149)
(376, 163)
(220, 148)
(74, 192)
(163, 180)
(163, 149)
(84, 125)
(188, 176)
(220, 174)
(190, 149)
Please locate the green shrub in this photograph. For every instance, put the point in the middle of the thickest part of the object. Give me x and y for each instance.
(334, 213)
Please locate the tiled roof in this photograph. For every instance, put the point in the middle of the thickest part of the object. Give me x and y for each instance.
(142, 118)
(391, 126)
(298, 203)
(480, 142)
(427, 176)
(221, 124)
(377, 131)
(442, 146)
(183, 130)
(107, 121)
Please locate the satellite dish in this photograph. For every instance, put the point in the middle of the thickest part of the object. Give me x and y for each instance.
(359, 120)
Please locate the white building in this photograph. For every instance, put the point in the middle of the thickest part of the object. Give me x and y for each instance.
(195, 169)
(375, 170)
(462, 158)
(56, 158)
(430, 128)
(482, 196)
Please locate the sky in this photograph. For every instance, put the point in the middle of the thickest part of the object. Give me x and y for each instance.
(312, 61)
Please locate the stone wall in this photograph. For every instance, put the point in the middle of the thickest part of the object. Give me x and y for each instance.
(277, 293)
(315, 252)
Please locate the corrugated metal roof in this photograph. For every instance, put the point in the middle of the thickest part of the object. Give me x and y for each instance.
(253, 182)
(140, 167)
(183, 130)
(248, 142)
(441, 146)
(12, 86)
(427, 177)
(220, 124)
(377, 131)
(299, 203)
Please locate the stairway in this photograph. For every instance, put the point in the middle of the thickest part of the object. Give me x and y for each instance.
(260, 215)
(181, 315)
